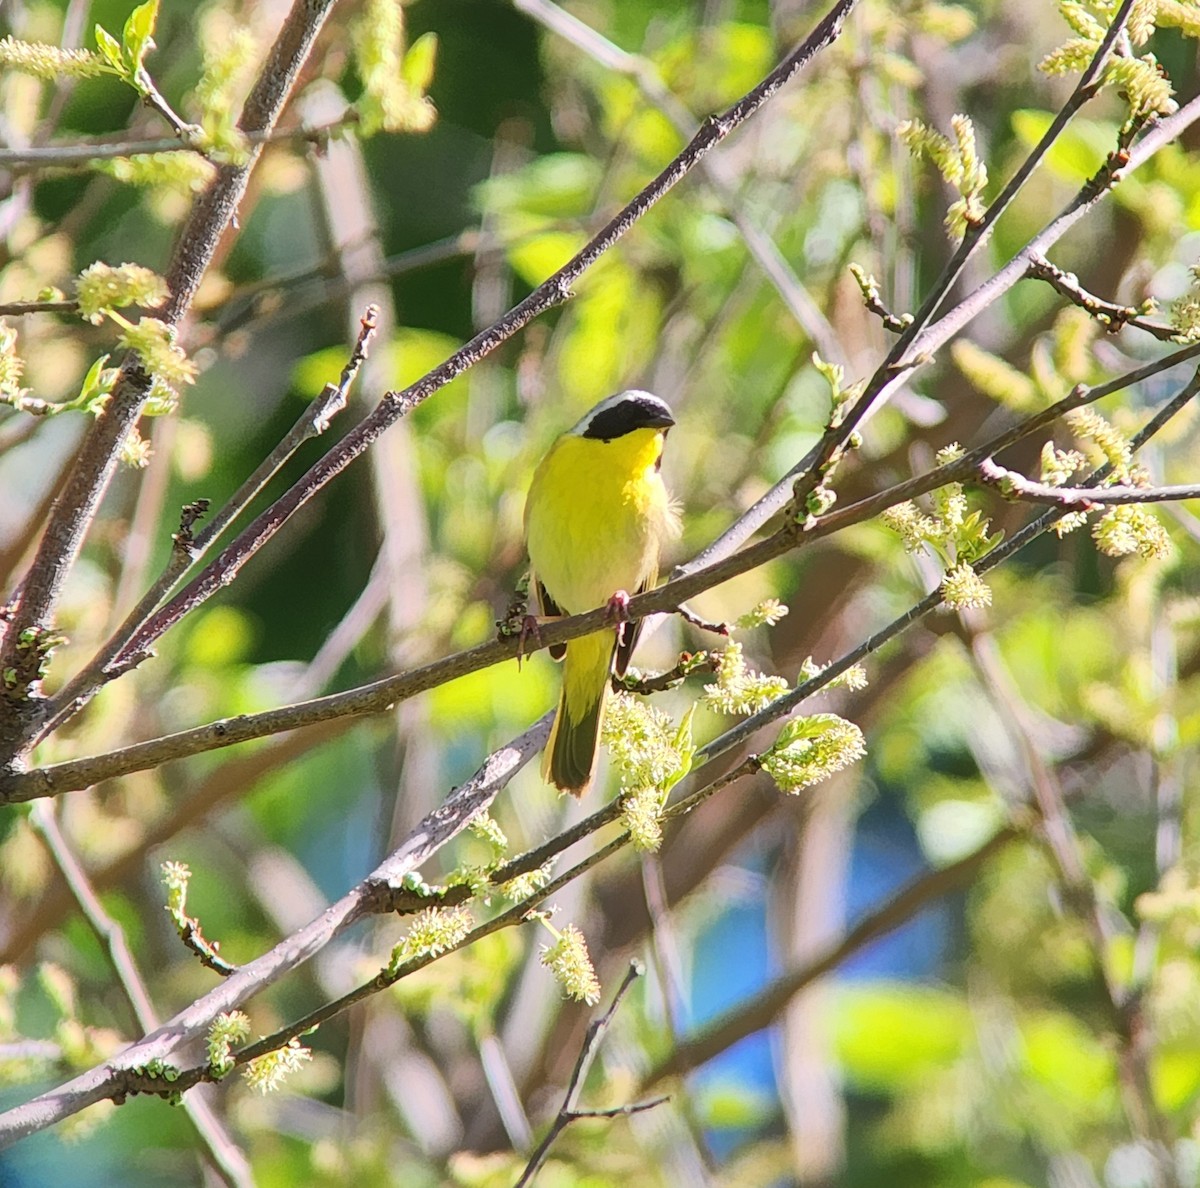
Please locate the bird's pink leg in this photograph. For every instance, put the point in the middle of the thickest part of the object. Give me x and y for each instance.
(617, 611)
(530, 629)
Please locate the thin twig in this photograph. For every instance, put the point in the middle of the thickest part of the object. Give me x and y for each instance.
(194, 939)
(1111, 316)
(110, 934)
(1016, 486)
(16, 309)
(154, 99)
(689, 662)
(701, 624)
(79, 155)
(569, 1111)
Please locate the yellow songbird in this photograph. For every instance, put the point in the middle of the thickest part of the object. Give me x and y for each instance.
(595, 519)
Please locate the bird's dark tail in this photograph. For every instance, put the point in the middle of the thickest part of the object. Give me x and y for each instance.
(574, 742)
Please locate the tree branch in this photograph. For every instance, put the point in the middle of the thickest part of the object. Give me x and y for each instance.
(1112, 317)
(1016, 486)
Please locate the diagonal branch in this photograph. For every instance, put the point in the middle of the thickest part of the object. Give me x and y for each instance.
(1110, 315)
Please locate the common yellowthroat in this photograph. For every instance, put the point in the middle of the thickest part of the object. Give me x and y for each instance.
(596, 517)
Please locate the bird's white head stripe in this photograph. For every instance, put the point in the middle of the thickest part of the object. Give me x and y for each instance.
(626, 410)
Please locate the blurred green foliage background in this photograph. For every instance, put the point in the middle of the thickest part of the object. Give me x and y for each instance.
(973, 1046)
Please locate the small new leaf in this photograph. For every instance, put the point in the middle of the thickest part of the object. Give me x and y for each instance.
(138, 34)
(110, 50)
(419, 62)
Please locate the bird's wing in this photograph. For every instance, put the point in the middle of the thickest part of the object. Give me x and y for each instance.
(550, 610)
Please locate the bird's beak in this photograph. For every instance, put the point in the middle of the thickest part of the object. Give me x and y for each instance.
(660, 421)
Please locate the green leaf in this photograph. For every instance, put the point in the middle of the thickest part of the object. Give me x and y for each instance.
(419, 61)
(92, 379)
(95, 387)
(110, 48)
(685, 744)
(556, 185)
(138, 34)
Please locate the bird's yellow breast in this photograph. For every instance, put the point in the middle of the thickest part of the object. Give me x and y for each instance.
(596, 517)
